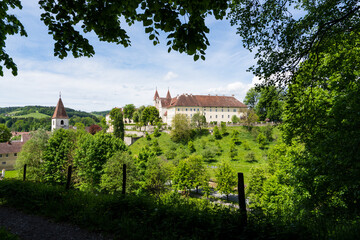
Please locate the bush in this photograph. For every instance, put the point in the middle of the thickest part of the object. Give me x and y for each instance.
(156, 132)
(261, 140)
(147, 136)
(233, 151)
(245, 144)
(191, 147)
(209, 154)
(217, 134)
(250, 157)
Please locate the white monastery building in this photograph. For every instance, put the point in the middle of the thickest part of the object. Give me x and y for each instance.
(214, 108)
(60, 118)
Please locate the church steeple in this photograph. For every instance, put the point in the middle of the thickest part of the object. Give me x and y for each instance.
(60, 118)
(156, 95)
(168, 96)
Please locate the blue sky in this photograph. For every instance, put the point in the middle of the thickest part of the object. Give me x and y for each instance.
(116, 76)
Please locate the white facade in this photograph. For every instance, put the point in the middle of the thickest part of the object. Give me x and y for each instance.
(59, 123)
(212, 114)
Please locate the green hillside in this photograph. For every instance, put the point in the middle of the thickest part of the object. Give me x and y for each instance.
(33, 115)
(249, 152)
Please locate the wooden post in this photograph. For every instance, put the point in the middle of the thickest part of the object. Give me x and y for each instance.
(241, 195)
(68, 177)
(124, 179)
(24, 178)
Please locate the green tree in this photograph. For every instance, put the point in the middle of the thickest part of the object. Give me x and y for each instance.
(117, 122)
(181, 131)
(156, 132)
(157, 174)
(31, 154)
(217, 134)
(58, 155)
(156, 147)
(224, 129)
(129, 110)
(137, 114)
(5, 133)
(92, 153)
(250, 118)
(261, 140)
(198, 121)
(112, 178)
(190, 173)
(191, 147)
(225, 178)
(150, 115)
(233, 151)
(252, 98)
(270, 104)
(235, 119)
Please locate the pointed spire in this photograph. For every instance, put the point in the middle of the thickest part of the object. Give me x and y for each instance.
(60, 110)
(168, 96)
(156, 95)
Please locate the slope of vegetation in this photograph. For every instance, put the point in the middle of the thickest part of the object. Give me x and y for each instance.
(249, 151)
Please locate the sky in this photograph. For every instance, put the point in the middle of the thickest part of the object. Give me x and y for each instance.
(117, 76)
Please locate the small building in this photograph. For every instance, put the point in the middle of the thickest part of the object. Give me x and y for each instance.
(60, 118)
(10, 150)
(214, 108)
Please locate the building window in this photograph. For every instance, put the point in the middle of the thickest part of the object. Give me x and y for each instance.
(15, 154)
(0, 155)
(178, 109)
(3, 163)
(222, 109)
(204, 109)
(190, 109)
(210, 116)
(234, 110)
(190, 115)
(198, 110)
(204, 113)
(185, 109)
(228, 116)
(62, 122)
(228, 109)
(7, 155)
(215, 116)
(222, 116)
(210, 109)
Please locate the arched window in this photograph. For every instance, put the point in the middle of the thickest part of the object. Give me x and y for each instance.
(62, 122)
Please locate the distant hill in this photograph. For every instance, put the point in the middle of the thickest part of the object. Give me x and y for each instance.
(24, 112)
(102, 113)
(30, 118)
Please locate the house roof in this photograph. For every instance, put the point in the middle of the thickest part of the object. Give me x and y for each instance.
(11, 147)
(168, 96)
(156, 95)
(204, 101)
(60, 110)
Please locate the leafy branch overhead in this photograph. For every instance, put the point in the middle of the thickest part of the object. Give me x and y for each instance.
(285, 32)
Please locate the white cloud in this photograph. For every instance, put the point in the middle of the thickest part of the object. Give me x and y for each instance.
(170, 75)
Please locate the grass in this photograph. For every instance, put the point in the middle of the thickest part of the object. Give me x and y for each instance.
(13, 174)
(33, 115)
(239, 163)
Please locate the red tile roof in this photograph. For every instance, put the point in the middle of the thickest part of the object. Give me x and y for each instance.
(168, 96)
(12, 147)
(60, 110)
(156, 95)
(204, 101)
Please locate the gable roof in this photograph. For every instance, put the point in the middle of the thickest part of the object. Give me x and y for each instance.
(60, 110)
(205, 101)
(10, 147)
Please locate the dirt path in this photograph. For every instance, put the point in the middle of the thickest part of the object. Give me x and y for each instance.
(35, 227)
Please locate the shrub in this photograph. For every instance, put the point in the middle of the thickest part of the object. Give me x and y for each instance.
(245, 144)
(233, 151)
(261, 140)
(156, 132)
(250, 157)
(217, 134)
(209, 154)
(191, 147)
(147, 136)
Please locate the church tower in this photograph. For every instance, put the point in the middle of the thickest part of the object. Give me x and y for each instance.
(60, 119)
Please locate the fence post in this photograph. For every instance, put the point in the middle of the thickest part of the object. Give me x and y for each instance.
(241, 195)
(68, 177)
(124, 179)
(24, 178)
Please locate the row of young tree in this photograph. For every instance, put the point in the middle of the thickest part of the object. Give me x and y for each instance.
(98, 160)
